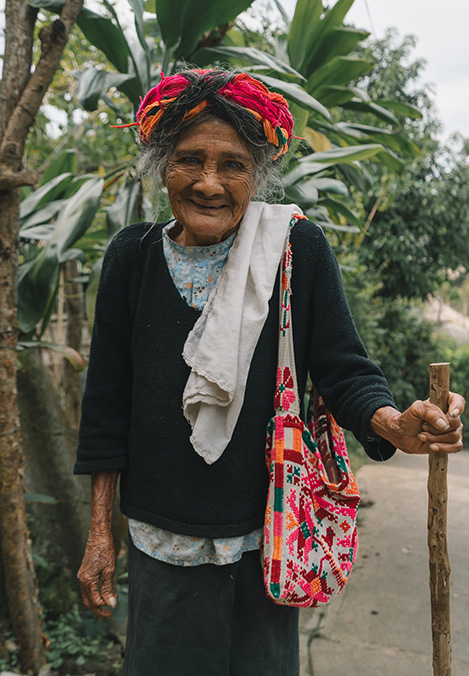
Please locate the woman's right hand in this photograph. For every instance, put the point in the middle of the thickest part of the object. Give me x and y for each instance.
(96, 574)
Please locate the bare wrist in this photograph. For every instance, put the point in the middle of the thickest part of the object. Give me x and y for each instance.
(386, 423)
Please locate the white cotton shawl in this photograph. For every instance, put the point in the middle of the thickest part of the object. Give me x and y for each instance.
(220, 347)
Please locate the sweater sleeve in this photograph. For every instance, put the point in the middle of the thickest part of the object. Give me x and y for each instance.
(352, 386)
(105, 420)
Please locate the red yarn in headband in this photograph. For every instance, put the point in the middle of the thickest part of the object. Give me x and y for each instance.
(269, 108)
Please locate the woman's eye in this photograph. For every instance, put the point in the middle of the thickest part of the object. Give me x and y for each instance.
(190, 160)
(232, 164)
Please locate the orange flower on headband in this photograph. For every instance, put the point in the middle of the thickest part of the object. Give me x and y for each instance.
(270, 108)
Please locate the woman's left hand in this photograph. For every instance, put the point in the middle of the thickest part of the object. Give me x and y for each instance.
(423, 426)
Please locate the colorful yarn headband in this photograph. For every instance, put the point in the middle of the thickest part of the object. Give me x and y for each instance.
(269, 108)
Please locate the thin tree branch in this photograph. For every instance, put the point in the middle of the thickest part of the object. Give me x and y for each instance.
(371, 215)
(53, 40)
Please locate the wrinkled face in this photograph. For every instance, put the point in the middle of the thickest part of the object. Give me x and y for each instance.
(210, 181)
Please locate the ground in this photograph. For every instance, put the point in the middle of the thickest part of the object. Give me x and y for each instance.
(381, 624)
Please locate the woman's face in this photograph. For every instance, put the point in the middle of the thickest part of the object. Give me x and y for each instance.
(210, 181)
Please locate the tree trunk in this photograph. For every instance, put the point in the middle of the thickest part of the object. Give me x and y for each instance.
(19, 574)
(74, 308)
(50, 447)
(20, 19)
(20, 98)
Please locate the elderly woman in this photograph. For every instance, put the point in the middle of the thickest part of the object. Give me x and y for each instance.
(181, 382)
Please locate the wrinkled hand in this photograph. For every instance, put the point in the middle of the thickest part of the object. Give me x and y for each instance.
(96, 574)
(423, 426)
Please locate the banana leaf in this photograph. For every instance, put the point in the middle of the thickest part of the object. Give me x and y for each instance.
(38, 277)
(49, 192)
(295, 93)
(182, 22)
(246, 55)
(300, 38)
(124, 210)
(93, 83)
(66, 162)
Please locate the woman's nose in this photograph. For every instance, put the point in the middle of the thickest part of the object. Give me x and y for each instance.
(209, 183)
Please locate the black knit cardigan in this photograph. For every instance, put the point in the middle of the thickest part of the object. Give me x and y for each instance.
(132, 406)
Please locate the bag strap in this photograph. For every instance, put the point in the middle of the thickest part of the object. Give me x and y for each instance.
(286, 393)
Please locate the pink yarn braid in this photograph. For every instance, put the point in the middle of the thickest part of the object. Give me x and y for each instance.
(254, 95)
(268, 107)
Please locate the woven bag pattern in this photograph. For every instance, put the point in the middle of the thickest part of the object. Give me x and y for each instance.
(310, 532)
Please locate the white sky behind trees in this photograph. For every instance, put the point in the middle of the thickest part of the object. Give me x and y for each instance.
(440, 27)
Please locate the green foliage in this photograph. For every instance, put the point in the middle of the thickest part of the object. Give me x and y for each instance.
(249, 55)
(309, 43)
(72, 356)
(38, 276)
(396, 80)
(70, 646)
(261, 27)
(182, 22)
(11, 661)
(356, 452)
(295, 93)
(423, 229)
(77, 643)
(407, 346)
(60, 222)
(40, 498)
(96, 147)
(74, 646)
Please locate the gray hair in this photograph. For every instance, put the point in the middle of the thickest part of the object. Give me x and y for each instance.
(155, 156)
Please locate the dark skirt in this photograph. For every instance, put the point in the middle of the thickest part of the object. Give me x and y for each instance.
(206, 621)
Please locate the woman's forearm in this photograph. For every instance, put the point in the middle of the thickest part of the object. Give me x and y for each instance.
(103, 491)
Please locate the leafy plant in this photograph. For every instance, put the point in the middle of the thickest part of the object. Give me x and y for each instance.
(55, 227)
(53, 220)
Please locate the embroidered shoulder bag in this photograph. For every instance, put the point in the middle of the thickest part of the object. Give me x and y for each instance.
(310, 532)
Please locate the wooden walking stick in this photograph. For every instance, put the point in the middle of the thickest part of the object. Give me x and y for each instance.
(438, 550)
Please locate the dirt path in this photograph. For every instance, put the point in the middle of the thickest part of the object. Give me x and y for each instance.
(380, 625)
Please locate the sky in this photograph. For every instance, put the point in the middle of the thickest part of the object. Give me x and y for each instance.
(440, 27)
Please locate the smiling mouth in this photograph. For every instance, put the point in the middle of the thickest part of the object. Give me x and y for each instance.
(209, 207)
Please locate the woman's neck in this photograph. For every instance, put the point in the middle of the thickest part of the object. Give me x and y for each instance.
(185, 237)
